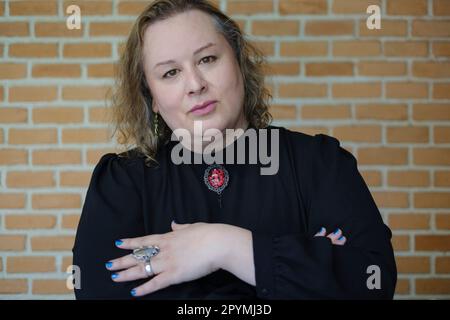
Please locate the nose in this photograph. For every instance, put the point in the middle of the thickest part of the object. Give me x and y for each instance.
(196, 81)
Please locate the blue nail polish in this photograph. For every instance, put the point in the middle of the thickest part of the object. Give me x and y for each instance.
(133, 292)
(322, 229)
(337, 231)
(108, 264)
(341, 238)
(119, 242)
(114, 276)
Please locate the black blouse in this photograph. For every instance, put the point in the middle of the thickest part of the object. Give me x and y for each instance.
(317, 184)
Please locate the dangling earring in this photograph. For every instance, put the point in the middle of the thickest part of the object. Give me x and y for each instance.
(155, 124)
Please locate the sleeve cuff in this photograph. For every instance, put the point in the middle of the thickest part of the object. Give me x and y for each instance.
(264, 265)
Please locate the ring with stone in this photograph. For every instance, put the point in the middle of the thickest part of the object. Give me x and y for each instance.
(143, 254)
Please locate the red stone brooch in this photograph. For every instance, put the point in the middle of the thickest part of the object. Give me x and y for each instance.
(216, 179)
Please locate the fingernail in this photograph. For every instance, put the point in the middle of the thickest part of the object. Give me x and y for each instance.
(108, 264)
(337, 231)
(119, 242)
(114, 275)
(341, 238)
(322, 230)
(133, 292)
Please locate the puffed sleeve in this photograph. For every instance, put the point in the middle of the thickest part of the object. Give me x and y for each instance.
(111, 211)
(301, 266)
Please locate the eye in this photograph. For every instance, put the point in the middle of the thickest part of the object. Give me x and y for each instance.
(203, 59)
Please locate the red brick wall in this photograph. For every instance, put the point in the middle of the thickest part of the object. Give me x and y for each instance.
(384, 93)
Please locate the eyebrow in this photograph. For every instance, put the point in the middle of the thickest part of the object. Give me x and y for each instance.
(195, 52)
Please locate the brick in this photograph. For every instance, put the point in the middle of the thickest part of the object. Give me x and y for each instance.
(329, 28)
(33, 136)
(56, 157)
(443, 265)
(283, 111)
(249, 7)
(311, 130)
(378, 111)
(406, 48)
(75, 178)
(12, 242)
(13, 286)
(371, 177)
(266, 47)
(353, 6)
(441, 90)
(86, 135)
(33, 93)
(131, 7)
(99, 114)
(70, 221)
(33, 8)
(275, 28)
(412, 264)
(102, 70)
(84, 92)
(411, 221)
(431, 156)
(325, 112)
(33, 264)
(382, 155)
(56, 29)
(431, 111)
(109, 28)
(402, 287)
(380, 68)
(441, 49)
(442, 134)
(357, 48)
(358, 133)
(431, 69)
(52, 243)
(389, 28)
(90, 7)
(50, 286)
(407, 7)
(13, 115)
(406, 90)
(13, 70)
(442, 178)
(433, 286)
(14, 29)
(282, 69)
(93, 156)
(301, 7)
(321, 69)
(441, 8)
(303, 48)
(391, 199)
(295, 90)
(410, 178)
(56, 201)
(12, 200)
(66, 262)
(399, 134)
(443, 221)
(427, 28)
(13, 156)
(30, 221)
(57, 115)
(356, 90)
(56, 71)
(30, 179)
(400, 242)
(432, 199)
(87, 50)
(33, 50)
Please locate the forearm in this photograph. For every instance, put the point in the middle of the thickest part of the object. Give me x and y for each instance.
(238, 254)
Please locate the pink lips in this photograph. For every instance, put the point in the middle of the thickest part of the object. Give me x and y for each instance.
(205, 108)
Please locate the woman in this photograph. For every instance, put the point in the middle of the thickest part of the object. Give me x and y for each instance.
(156, 229)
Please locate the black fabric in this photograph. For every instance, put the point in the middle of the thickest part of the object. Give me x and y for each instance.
(317, 184)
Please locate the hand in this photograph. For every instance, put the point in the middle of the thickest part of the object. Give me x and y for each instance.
(189, 252)
(336, 237)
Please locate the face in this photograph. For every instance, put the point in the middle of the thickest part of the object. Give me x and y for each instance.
(192, 78)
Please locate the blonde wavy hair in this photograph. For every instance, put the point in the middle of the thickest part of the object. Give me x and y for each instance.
(131, 98)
